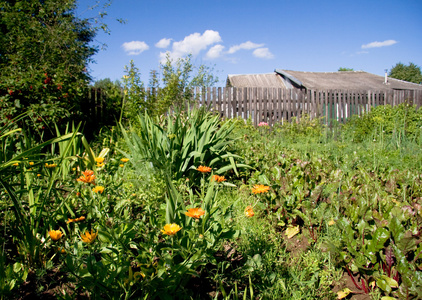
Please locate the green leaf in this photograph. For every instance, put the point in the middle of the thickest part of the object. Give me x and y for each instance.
(386, 283)
(343, 293)
(292, 231)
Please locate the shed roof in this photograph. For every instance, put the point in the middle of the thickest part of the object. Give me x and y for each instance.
(256, 80)
(344, 80)
(352, 80)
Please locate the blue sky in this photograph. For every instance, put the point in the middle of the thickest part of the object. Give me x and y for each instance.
(250, 37)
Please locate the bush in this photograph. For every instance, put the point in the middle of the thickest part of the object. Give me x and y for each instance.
(401, 121)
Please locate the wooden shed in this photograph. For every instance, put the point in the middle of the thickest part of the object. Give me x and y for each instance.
(344, 80)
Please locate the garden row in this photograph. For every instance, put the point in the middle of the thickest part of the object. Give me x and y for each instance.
(191, 206)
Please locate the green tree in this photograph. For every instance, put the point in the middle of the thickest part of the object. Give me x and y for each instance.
(134, 99)
(112, 93)
(171, 87)
(410, 73)
(341, 69)
(44, 51)
(179, 78)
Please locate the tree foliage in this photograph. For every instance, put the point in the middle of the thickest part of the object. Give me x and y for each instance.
(171, 87)
(44, 51)
(410, 73)
(134, 99)
(342, 69)
(112, 93)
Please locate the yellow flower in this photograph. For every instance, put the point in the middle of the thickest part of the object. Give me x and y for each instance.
(260, 188)
(121, 166)
(331, 222)
(99, 160)
(98, 189)
(203, 169)
(195, 213)
(218, 178)
(89, 237)
(249, 211)
(50, 165)
(69, 220)
(16, 164)
(88, 177)
(31, 163)
(171, 229)
(55, 234)
(124, 159)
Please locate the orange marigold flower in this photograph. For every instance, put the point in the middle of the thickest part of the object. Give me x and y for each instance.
(55, 234)
(260, 188)
(98, 189)
(89, 237)
(69, 220)
(249, 211)
(87, 177)
(203, 169)
(195, 213)
(171, 229)
(218, 178)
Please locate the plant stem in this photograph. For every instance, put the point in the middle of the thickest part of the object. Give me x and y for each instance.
(364, 286)
(353, 279)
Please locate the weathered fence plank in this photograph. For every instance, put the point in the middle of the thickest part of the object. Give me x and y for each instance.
(274, 105)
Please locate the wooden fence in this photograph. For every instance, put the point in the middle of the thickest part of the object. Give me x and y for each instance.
(273, 105)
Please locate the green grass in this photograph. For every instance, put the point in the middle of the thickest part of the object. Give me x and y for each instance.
(352, 204)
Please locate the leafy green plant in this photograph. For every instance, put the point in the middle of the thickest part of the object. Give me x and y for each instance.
(378, 245)
(385, 122)
(181, 143)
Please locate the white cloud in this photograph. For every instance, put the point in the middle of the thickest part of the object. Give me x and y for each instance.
(379, 44)
(263, 53)
(163, 43)
(211, 42)
(246, 46)
(135, 47)
(215, 52)
(193, 44)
